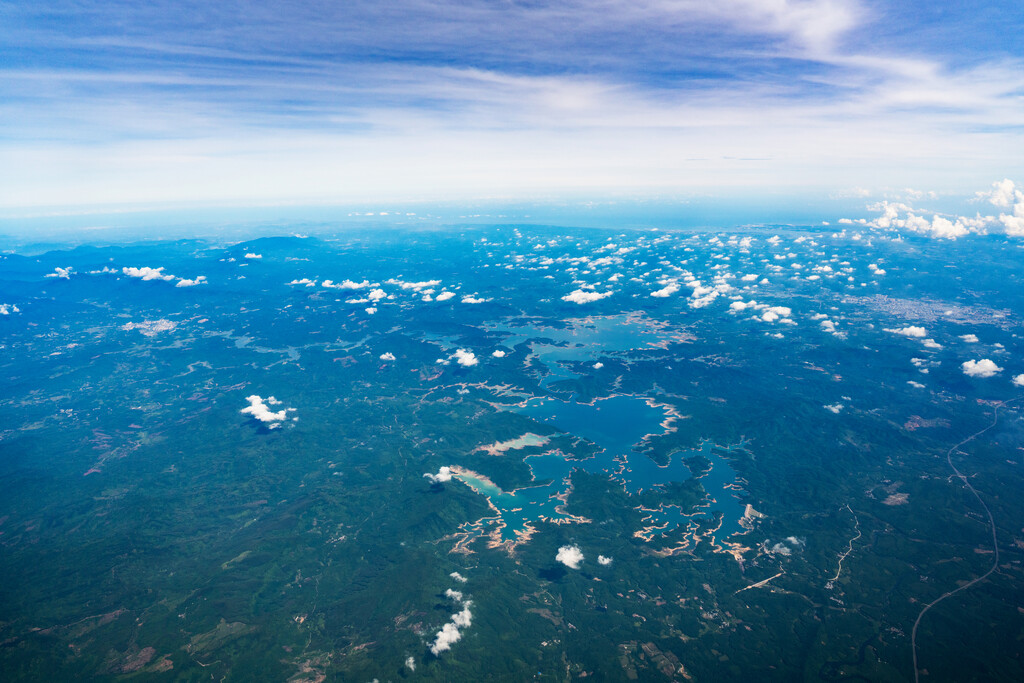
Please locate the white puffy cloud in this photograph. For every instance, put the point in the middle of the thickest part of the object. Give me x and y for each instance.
(183, 282)
(458, 577)
(970, 338)
(498, 353)
(465, 358)
(410, 662)
(62, 273)
(474, 300)
(444, 474)
(444, 296)
(370, 310)
(602, 560)
(670, 288)
(450, 633)
(908, 331)
(773, 313)
(376, 294)
(7, 309)
(1018, 381)
(346, 284)
(445, 638)
(581, 296)
(570, 556)
(452, 594)
(980, 368)
(834, 408)
(146, 273)
(1003, 194)
(416, 286)
(250, 255)
(260, 410)
(387, 356)
(304, 281)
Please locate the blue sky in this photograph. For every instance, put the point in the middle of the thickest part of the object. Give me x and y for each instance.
(198, 103)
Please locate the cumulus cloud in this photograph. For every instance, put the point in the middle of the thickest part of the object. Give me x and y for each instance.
(498, 353)
(304, 281)
(387, 356)
(260, 410)
(453, 595)
(416, 286)
(458, 577)
(444, 474)
(184, 282)
(834, 408)
(474, 300)
(370, 310)
(908, 331)
(1018, 381)
(582, 296)
(970, 338)
(1003, 194)
(570, 556)
(7, 309)
(602, 560)
(465, 358)
(980, 368)
(451, 632)
(446, 637)
(670, 288)
(346, 284)
(444, 296)
(146, 273)
(376, 294)
(61, 273)
(253, 256)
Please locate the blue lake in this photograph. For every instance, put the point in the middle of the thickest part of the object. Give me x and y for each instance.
(616, 425)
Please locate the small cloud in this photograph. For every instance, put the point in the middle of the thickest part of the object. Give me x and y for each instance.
(458, 577)
(970, 338)
(184, 282)
(1018, 381)
(410, 663)
(7, 309)
(602, 560)
(835, 408)
(146, 273)
(980, 368)
(909, 331)
(452, 594)
(260, 410)
(387, 356)
(670, 288)
(570, 556)
(376, 294)
(306, 282)
(498, 353)
(370, 310)
(598, 365)
(450, 633)
(465, 358)
(62, 273)
(444, 296)
(581, 296)
(444, 474)
(473, 300)
(916, 385)
(253, 256)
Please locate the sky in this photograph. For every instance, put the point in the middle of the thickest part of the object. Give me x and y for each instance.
(251, 103)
